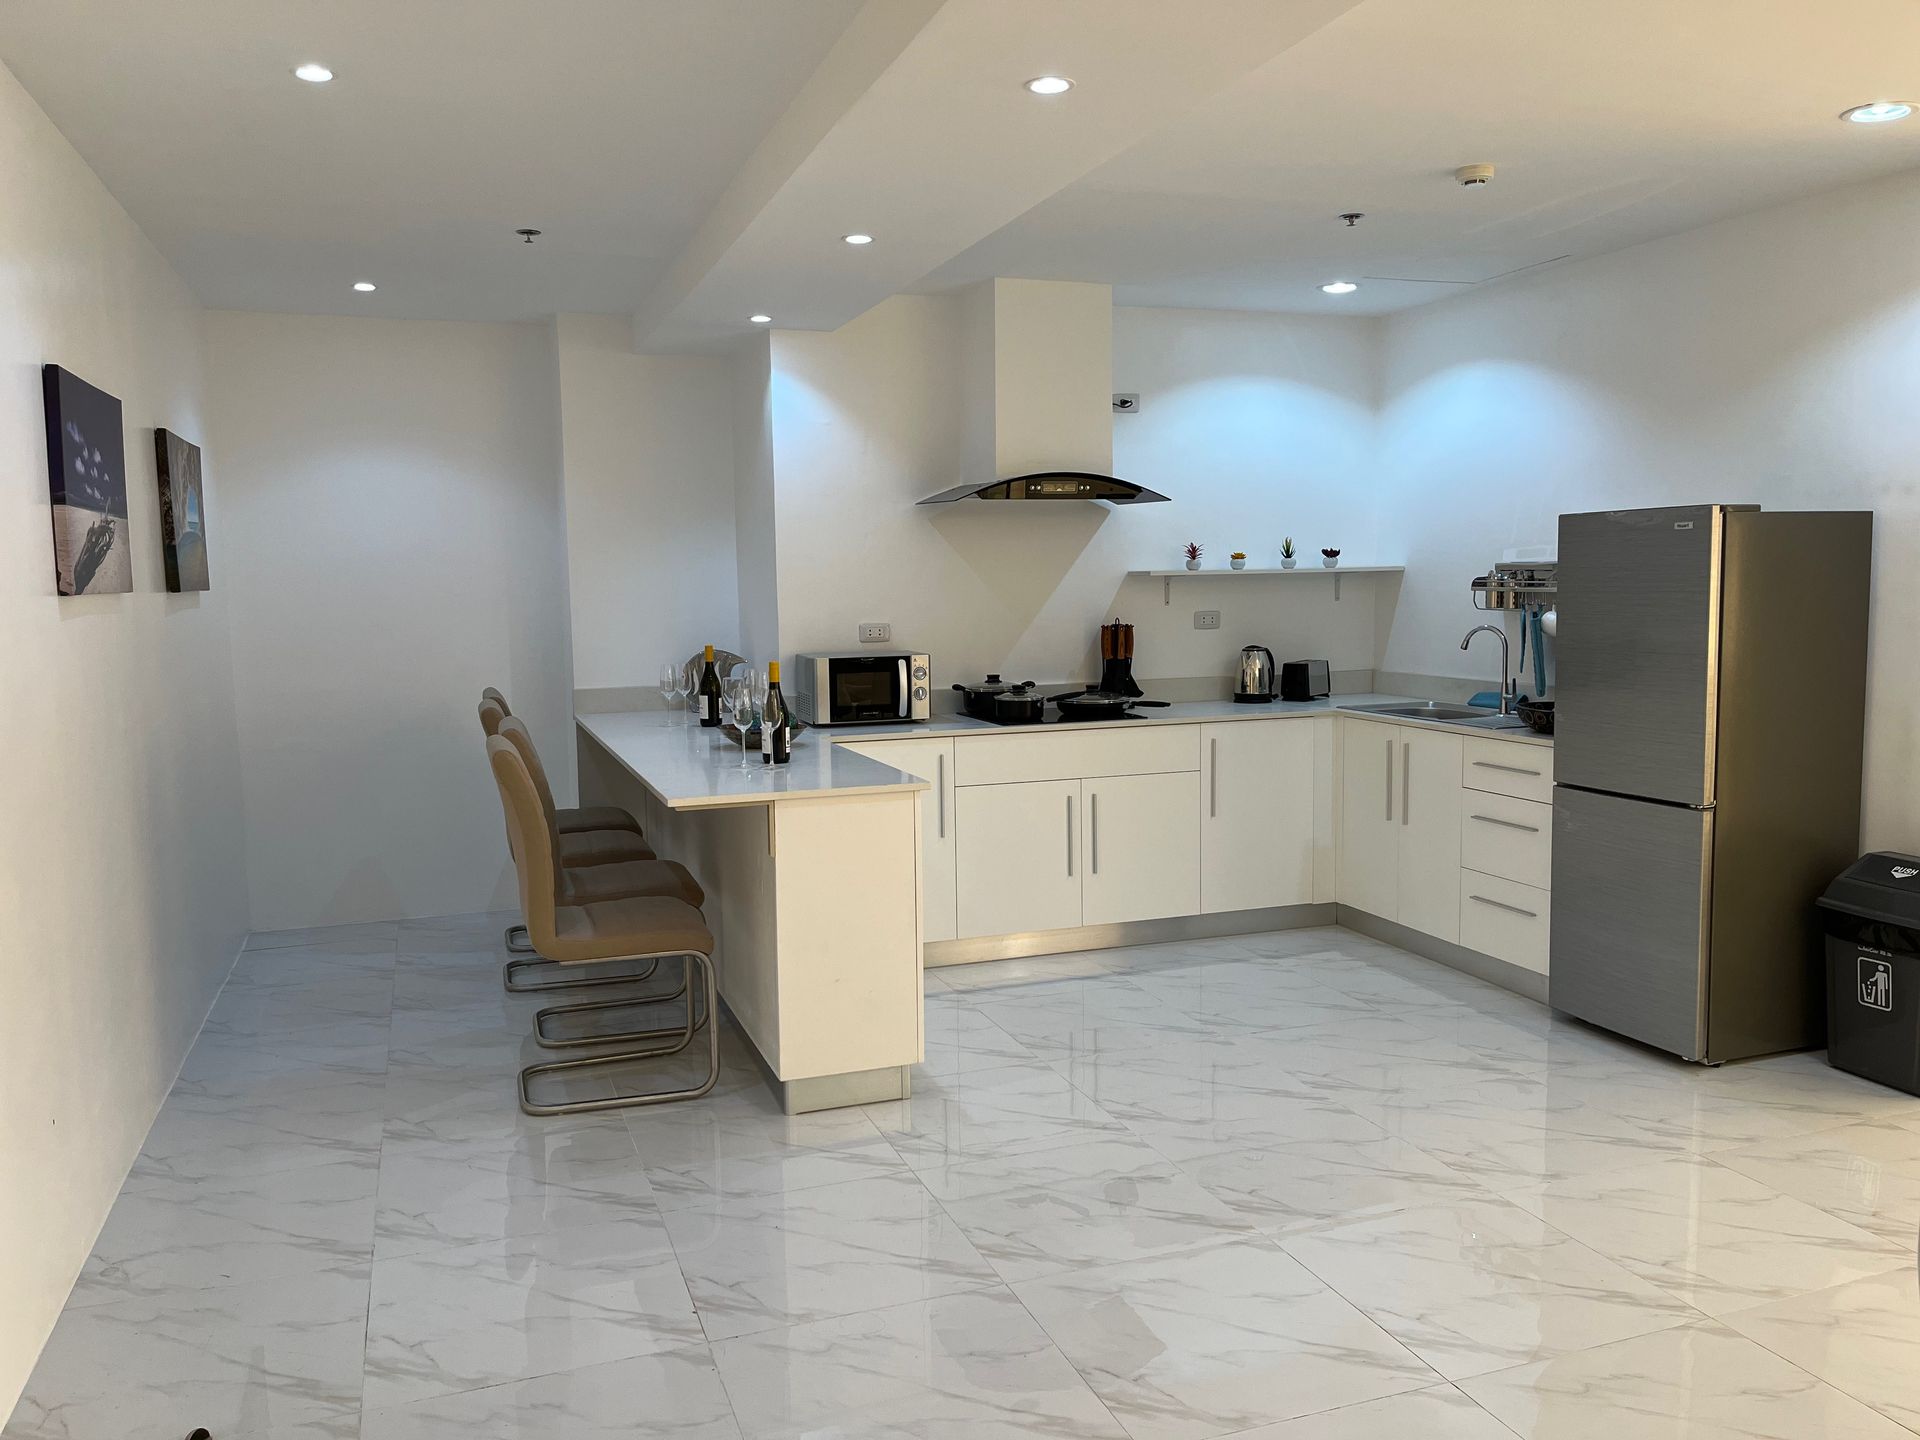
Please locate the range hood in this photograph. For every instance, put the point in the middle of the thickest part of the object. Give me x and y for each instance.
(1037, 395)
(1052, 485)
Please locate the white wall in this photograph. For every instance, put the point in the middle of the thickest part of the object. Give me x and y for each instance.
(648, 476)
(758, 551)
(123, 897)
(393, 517)
(1256, 425)
(1769, 359)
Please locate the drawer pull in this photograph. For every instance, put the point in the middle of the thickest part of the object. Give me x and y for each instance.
(1509, 824)
(1510, 769)
(1502, 905)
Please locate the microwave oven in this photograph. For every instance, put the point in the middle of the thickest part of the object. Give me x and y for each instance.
(859, 687)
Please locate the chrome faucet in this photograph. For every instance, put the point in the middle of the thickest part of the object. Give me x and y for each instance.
(1509, 687)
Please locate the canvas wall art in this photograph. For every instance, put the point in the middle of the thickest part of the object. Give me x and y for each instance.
(87, 476)
(183, 513)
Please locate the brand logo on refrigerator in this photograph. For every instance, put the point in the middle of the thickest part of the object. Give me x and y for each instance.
(1876, 983)
(1904, 872)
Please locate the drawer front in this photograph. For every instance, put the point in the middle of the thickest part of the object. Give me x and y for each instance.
(1075, 754)
(1506, 837)
(1508, 921)
(1507, 768)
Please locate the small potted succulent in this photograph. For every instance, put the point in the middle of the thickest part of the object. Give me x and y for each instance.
(1287, 557)
(1329, 558)
(1193, 554)
(1238, 560)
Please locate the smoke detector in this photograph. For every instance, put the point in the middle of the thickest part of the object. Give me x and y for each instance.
(1470, 175)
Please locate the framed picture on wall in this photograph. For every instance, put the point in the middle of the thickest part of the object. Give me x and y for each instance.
(183, 512)
(87, 478)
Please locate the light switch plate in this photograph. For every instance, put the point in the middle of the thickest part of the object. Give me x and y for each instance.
(875, 632)
(1206, 619)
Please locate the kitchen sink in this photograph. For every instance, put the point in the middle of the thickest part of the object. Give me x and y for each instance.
(1472, 715)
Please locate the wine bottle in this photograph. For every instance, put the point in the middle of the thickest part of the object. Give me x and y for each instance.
(710, 694)
(776, 725)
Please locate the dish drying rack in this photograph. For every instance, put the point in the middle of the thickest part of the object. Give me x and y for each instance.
(1517, 585)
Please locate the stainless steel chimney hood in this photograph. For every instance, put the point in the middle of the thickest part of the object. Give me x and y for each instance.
(1052, 485)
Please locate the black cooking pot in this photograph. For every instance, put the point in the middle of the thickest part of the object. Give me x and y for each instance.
(1099, 705)
(1004, 704)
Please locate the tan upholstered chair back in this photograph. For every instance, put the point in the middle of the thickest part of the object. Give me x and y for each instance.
(514, 730)
(494, 695)
(530, 839)
(492, 712)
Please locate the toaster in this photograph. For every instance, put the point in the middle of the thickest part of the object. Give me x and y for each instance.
(1305, 680)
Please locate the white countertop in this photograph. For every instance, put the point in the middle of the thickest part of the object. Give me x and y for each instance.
(690, 768)
(1181, 712)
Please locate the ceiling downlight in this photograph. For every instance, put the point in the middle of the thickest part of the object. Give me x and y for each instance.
(1049, 85)
(313, 73)
(1877, 112)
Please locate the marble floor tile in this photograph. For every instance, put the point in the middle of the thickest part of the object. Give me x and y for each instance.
(674, 1393)
(699, 1155)
(764, 1262)
(436, 1193)
(217, 1130)
(1442, 1413)
(1862, 1338)
(373, 932)
(168, 1236)
(973, 1366)
(1217, 1340)
(1712, 1237)
(303, 964)
(1003, 1113)
(460, 1319)
(1094, 1203)
(281, 1356)
(1312, 1184)
(316, 1056)
(1866, 1174)
(1695, 1382)
(327, 999)
(1481, 1285)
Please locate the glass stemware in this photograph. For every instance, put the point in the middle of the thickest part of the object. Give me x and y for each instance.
(738, 695)
(670, 687)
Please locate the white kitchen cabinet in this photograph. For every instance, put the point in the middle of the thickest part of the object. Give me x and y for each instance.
(1142, 850)
(1429, 859)
(1505, 919)
(932, 761)
(1256, 814)
(1369, 876)
(1018, 857)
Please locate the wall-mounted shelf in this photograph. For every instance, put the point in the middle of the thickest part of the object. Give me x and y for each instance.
(1300, 572)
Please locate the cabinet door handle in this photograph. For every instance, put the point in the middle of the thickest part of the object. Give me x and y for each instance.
(1069, 836)
(940, 784)
(1093, 831)
(1213, 776)
(1502, 905)
(1509, 824)
(1406, 780)
(1510, 769)
(1389, 780)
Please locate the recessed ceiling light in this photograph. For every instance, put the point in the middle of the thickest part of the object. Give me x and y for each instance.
(1878, 113)
(1339, 287)
(364, 286)
(760, 319)
(1049, 84)
(858, 239)
(313, 74)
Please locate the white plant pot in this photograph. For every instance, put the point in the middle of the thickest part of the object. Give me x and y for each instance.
(1329, 561)
(1287, 562)
(1238, 564)
(1193, 564)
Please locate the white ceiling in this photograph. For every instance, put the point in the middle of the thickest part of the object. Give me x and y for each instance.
(694, 160)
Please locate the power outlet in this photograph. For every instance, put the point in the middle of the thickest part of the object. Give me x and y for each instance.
(875, 632)
(1206, 619)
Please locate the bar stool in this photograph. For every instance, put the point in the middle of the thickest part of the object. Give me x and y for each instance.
(650, 928)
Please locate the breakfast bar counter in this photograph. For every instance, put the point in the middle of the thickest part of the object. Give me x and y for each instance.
(813, 880)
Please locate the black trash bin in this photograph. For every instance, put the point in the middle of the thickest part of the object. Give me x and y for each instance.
(1872, 917)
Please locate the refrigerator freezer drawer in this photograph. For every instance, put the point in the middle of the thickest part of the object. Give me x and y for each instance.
(1630, 889)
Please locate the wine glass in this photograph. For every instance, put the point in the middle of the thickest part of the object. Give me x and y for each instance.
(738, 695)
(670, 687)
(690, 687)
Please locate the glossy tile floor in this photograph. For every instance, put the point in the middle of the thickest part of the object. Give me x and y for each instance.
(1296, 1187)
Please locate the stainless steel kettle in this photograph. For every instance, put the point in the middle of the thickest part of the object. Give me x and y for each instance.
(1257, 676)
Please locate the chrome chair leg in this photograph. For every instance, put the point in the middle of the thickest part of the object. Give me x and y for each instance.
(708, 992)
(695, 1019)
(521, 946)
(511, 971)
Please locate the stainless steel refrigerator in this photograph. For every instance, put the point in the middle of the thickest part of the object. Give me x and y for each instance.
(1710, 696)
